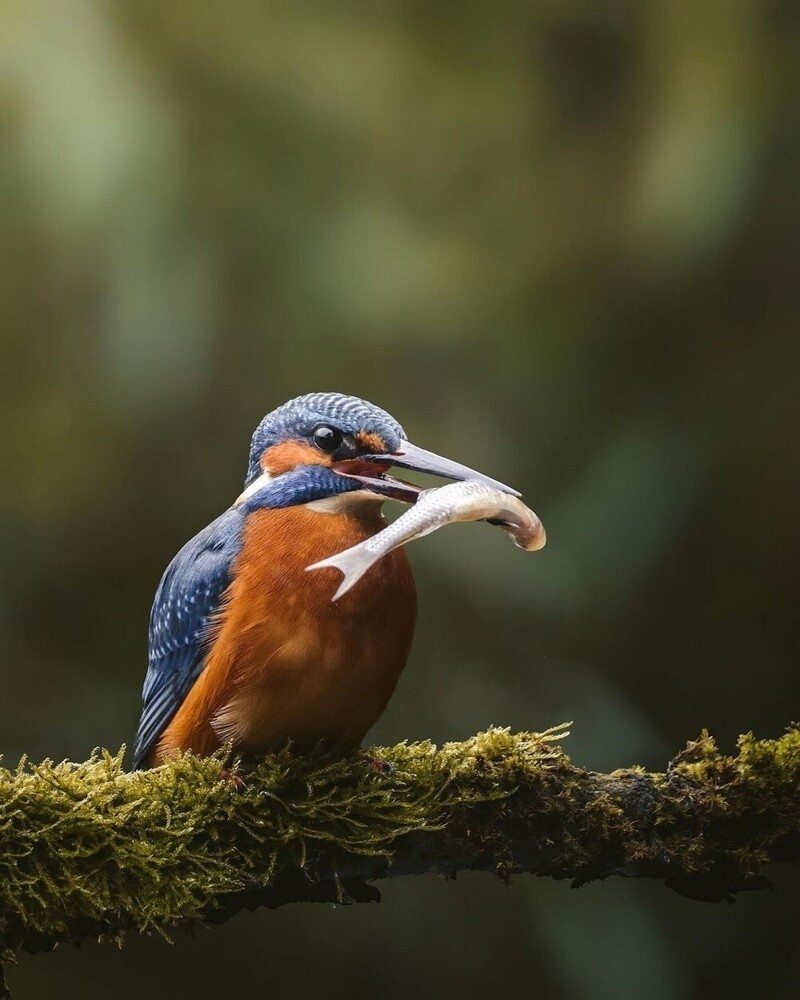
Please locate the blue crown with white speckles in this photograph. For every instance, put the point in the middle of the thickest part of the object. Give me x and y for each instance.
(298, 418)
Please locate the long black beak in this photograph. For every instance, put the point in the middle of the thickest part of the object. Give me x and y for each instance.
(409, 456)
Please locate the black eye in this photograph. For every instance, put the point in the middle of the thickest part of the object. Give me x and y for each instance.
(327, 438)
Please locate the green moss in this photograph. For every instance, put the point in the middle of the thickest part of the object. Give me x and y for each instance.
(88, 848)
(88, 844)
(732, 814)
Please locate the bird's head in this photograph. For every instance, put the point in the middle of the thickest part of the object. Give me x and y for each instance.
(327, 445)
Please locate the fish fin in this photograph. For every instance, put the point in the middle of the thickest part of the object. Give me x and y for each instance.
(353, 563)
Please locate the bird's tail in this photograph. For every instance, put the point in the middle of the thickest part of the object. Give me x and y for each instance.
(353, 564)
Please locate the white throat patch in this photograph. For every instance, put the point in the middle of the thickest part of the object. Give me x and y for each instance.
(345, 503)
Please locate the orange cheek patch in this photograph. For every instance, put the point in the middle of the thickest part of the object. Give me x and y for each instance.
(288, 455)
(371, 442)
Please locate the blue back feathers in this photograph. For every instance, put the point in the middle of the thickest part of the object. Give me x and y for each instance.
(189, 594)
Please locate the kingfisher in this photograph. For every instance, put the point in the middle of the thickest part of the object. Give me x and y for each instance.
(245, 647)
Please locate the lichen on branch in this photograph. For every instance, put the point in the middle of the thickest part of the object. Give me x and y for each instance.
(87, 849)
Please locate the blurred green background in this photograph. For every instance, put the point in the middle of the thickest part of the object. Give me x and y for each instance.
(559, 241)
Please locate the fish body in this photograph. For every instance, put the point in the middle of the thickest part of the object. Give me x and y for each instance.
(463, 501)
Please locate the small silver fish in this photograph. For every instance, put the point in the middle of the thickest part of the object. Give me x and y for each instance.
(464, 501)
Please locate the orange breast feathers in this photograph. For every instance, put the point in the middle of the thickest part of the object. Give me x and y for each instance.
(287, 663)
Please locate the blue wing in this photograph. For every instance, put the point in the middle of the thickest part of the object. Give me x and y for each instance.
(187, 597)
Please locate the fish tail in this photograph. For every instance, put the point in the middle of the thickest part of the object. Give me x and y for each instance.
(352, 563)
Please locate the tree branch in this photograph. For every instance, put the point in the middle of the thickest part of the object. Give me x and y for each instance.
(87, 849)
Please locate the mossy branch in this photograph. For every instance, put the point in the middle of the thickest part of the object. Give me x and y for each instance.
(88, 849)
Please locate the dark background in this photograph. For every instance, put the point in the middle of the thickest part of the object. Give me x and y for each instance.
(559, 241)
